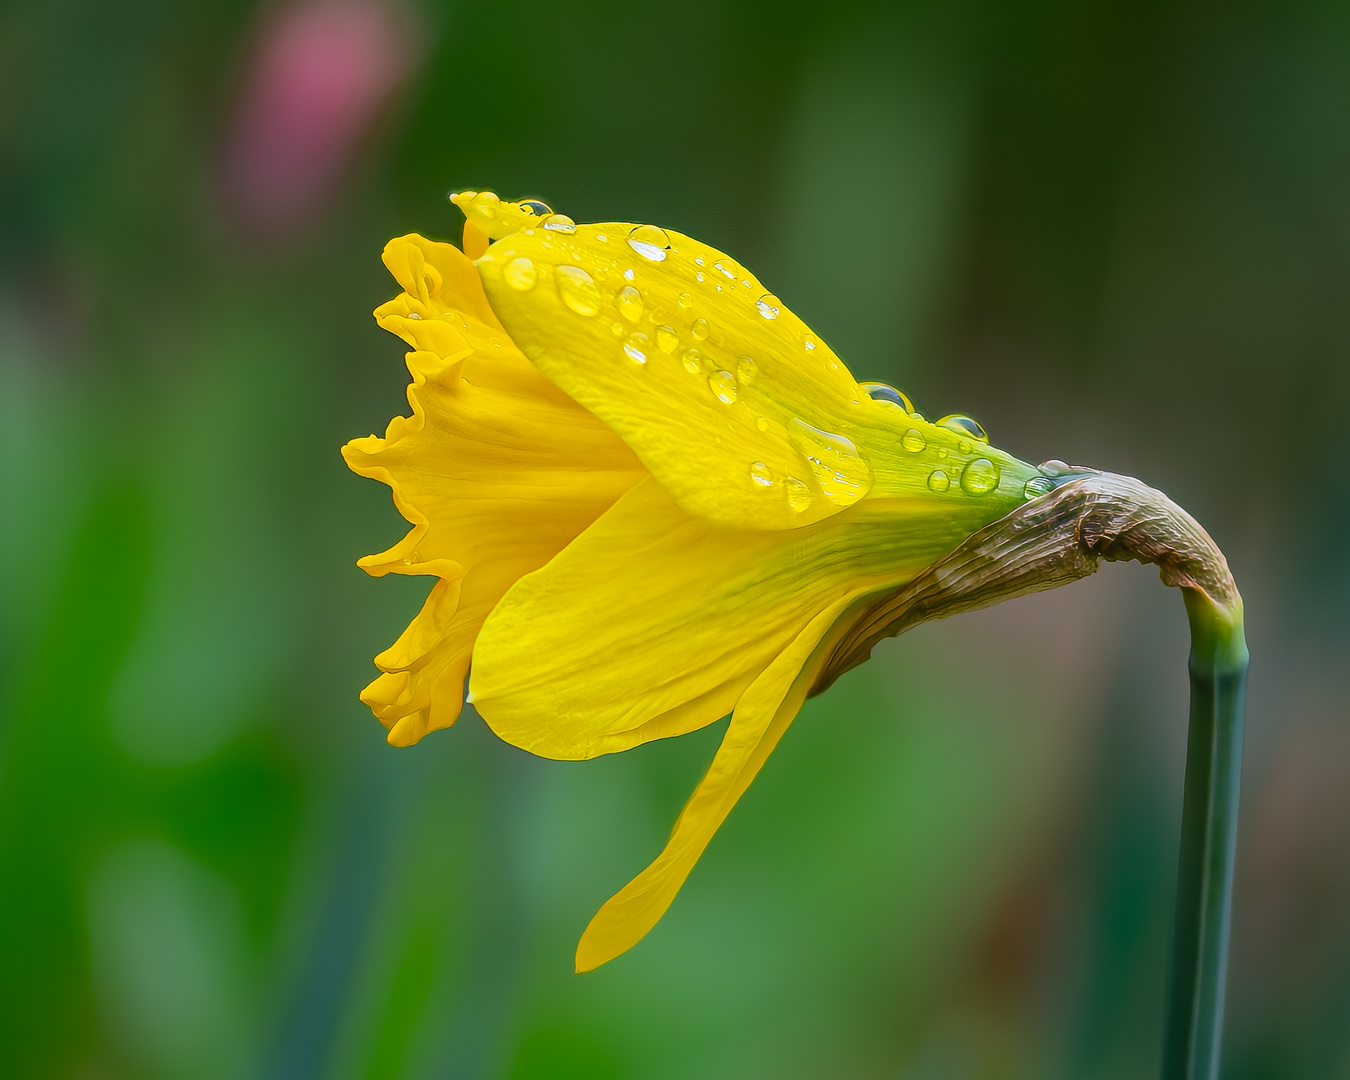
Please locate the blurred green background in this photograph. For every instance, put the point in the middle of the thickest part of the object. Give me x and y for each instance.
(1117, 233)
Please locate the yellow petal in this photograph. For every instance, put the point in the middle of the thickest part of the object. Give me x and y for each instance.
(737, 408)
(726, 407)
(762, 715)
(475, 241)
(653, 622)
(496, 469)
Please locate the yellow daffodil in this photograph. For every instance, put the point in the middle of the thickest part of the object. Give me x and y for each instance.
(651, 497)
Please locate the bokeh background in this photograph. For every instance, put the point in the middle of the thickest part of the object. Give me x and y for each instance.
(1117, 233)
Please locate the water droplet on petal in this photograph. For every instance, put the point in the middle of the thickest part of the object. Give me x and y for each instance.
(520, 274)
(414, 315)
(650, 242)
(560, 223)
(938, 481)
(628, 274)
(629, 302)
(963, 447)
(768, 305)
(798, 494)
(746, 370)
(723, 386)
(761, 475)
(535, 207)
(685, 299)
(693, 363)
(667, 339)
(727, 271)
(965, 425)
(762, 423)
(618, 328)
(913, 441)
(699, 277)
(808, 343)
(882, 392)
(839, 469)
(700, 329)
(1054, 467)
(577, 289)
(1038, 486)
(636, 347)
(979, 477)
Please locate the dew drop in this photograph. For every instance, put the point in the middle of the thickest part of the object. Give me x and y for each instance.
(809, 343)
(628, 274)
(636, 347)
(761, 475)
(938, 481)
(617, 327)
(577, 289)
(965, 425)
(727, 271)
(1054, 467)
(941, 451)
(798, 494)
(723, 386)
(746, 370)
(560, 223)
(839, 469)
(762, 424)
(979, 477)
(699, 277)
(650, 242)
(913, 441)
(693, 363)
(520, 274)
(535, 207)
(486, 203)
(768, 305)
(882, 392)
(667, 339)
(963, 447)
(685, 300)
(629, 302)
(698, 260)
(1038, 486)
(700, 329)
(414, 315)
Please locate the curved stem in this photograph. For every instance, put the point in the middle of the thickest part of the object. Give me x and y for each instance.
(1056, 539)
(1199, 949)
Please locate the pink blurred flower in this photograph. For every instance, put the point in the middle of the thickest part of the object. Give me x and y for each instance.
(318, 75)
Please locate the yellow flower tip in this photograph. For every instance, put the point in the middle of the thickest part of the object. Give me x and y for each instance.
(489, 216)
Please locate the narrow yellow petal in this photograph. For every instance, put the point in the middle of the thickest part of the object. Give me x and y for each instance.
(762, 716)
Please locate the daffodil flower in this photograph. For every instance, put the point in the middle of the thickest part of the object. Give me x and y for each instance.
(651, 496)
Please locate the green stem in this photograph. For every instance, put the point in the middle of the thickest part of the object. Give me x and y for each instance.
(1199, 948)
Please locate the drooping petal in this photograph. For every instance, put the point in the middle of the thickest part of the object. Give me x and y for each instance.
(496, 469)
(652, 622)
(744, 415)
(762, 715)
